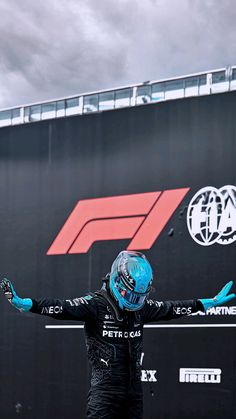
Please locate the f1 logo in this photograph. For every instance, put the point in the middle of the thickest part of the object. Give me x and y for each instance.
(139, 217)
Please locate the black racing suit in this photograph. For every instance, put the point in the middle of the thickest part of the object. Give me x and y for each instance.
(114, 345)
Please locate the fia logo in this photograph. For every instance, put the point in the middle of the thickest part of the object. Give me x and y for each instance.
(211, 215)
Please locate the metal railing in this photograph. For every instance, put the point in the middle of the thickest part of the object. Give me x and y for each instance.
(197, 84)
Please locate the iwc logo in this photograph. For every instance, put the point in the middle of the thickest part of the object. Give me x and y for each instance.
(211, 215)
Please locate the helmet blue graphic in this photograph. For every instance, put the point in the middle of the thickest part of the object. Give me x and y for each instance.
(130, 280)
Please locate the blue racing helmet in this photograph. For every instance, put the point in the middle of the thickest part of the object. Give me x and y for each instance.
(130, 280)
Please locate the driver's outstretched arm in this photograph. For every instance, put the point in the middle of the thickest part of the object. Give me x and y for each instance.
(167, 310)
(82, 308)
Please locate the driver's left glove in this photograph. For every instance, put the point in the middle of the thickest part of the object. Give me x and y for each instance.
(220, 298)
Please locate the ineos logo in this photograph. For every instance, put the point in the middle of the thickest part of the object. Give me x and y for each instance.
(211, 215)
(182, 310)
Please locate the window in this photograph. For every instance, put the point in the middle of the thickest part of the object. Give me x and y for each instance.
(174, 89)
(16, 116)
(122, 97)
(34, 113)
(143, 94)
(91, 103)
(202, 80)
(60, 108)
(174, 84)
(5, 118)
(72, 106)
(191, 82)
(158, 91)
(191, 86)
(218, 77)
(49, 110)
(106, 101)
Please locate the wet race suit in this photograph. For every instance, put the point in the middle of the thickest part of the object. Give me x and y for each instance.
(114, 344)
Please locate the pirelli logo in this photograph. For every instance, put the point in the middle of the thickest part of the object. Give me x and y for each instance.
(200, 375)
(139, 217)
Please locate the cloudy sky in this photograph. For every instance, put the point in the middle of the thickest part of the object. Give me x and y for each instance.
(55, 48)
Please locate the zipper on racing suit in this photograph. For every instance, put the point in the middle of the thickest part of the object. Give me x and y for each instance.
(127, 318)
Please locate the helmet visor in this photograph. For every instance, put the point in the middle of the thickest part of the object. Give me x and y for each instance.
(131, 297)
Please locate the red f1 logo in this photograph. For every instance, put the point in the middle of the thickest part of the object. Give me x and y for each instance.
(140, 217)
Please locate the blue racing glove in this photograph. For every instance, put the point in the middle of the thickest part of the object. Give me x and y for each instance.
(220, 298)
(22, 304)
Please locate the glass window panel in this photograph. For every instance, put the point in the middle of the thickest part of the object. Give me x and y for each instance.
(34, 113)
(143, 94)
(158, 91)
(202, 79)
(233, 79)
(72, 106)
(60, 106)
(5, 118)
(174, 89)
(34, 109)
(72, 103)
(204, 84)
(191, 86)
(16, 116)
(220, 82)
(144, 90)
(218, 77)
(90, 103)
(106, 101)
(106, 96)
(49, 110)
(26, 114)
(122, 97)
(16, 113)
(174, 85)
(158, 87)
(191, 82)
(49, 107)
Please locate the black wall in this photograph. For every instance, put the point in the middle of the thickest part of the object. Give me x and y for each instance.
(45, 169)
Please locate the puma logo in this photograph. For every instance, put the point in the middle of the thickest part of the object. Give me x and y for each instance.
(105, 362)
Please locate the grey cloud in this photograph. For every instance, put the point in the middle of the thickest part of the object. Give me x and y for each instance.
(60, 48)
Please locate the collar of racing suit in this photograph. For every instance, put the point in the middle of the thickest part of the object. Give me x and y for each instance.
(105, 294)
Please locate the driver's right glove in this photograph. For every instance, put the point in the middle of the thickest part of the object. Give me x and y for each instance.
(22, 304)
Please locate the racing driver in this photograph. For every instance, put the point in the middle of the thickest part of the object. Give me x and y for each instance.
(114, 317)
